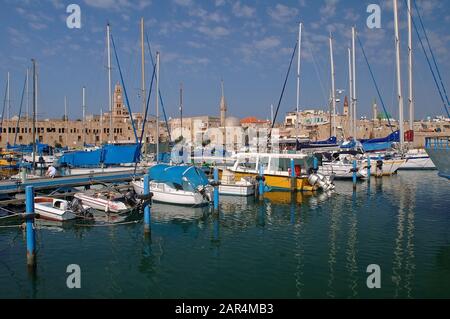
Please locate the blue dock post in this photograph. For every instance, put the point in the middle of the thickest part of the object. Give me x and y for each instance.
(354, 174)
(147, 212)
(261, 182)
(293, 177)
(31, 237)
(369, 167)
(216, 189)
(316, 164)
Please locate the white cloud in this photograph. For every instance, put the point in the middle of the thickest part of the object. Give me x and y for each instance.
(282, 13)
(118, 4)
(215, 32)
(240, 10)
(267, 43)
(184, 3)
(329, 9)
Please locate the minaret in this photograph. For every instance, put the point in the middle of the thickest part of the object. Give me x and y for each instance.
(375, 110)
(223, 108)
(346, 107)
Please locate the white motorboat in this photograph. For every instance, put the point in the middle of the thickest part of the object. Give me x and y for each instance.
(106, 200)
(53, 209)
(179, 185)
(341, 170)
(382, 166)
(417, 160)
(172, 194)
(229, 186)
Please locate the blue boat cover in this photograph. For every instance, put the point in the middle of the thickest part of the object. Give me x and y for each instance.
(393, 137)
(108, 155)
(175, 174)
(372, 147)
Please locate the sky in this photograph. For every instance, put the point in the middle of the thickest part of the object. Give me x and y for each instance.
(247, 43)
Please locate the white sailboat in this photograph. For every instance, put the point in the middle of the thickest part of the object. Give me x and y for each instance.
(107, 201)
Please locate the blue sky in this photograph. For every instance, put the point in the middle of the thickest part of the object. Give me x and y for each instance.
(247, 43)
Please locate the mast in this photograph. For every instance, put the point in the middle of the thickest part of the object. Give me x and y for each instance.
(333, 89)
(355, 99)
(271, 113)
(108, 42)
(34, 114)
(410, 64)
(399, 76)
(8, 106)
(298, 79)
(350, 84)
(28, 103)
(65, 120)
(84, 116)
(157, 107)
(101, 126)
(181, 108)
(143, 80)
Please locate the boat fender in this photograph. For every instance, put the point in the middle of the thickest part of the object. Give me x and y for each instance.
(143, 197)
(354, 170)
(379, 164)
(215, 183)
(260, 178)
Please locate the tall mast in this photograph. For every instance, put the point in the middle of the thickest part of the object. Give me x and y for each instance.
(333, 89)
(108, 42)
(271, 113)
(355, 98)
(28, 103)
(350, 85)
(84, 115)
(8, 106)
(298, 78)
(34, 114)
(143, 80)
(410, 63)
(181, 108)
(101, 126)
(157, 107)
(65, 120)
(399, 76)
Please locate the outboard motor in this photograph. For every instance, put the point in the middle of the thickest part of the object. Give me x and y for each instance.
(130, 198)
(77, 207)
(321, 181)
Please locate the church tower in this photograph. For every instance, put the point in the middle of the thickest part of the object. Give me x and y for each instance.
(120, 112)
(346, 113)
(223, 108)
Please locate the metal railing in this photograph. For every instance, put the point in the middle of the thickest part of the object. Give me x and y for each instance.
(442, 142)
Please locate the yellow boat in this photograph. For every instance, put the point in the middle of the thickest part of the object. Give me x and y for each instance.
(276, 169)
(9, 163)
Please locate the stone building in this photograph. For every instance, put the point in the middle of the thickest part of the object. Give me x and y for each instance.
(94, 130)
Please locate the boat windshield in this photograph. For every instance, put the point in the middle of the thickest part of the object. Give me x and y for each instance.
(247, 163)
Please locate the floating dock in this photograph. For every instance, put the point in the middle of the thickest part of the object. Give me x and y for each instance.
(12, 187)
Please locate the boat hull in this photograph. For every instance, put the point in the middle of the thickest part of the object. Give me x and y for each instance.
(236, 190)
(162, 193)
(102, 204)
(441, 158)
(283, 183)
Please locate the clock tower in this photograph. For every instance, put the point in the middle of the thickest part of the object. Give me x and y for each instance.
(120, 112)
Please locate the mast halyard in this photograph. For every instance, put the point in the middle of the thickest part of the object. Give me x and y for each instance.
(181, 109)
(84, 116)
(157, 107)
(333, 89)
(34, 115)
(143, 85)
(65, 120)
(399, 76)
(8, 106)
(350, 84)
(355, 99)
(298, 82)
(410, 64)
(108, 44)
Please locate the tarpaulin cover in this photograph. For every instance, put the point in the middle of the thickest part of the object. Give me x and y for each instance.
(175, 174)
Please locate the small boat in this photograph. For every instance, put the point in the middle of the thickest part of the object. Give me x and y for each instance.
(276, 169)
(439, 150)
(417, 160)
(53, 209)
(229, 186)
(106, 200)
(179, 185)
(382, 165)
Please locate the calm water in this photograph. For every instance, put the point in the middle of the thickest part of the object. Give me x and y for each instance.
(315, 247)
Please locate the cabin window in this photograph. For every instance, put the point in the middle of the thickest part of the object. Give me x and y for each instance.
(248, 163)
(264, 161)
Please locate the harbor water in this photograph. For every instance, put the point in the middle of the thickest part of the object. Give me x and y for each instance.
(301, 246)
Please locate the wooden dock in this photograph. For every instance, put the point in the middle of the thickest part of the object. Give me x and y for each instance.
(11, 188)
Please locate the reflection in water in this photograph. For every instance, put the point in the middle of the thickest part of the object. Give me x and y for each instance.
(334, 230)
(352, 267)
(403, 268)
(299, 248)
